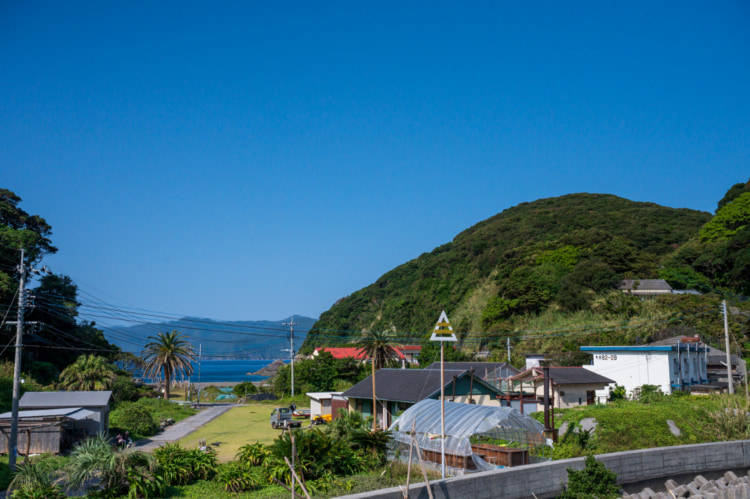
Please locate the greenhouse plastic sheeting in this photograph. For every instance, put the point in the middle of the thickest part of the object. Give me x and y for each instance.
(465, 423)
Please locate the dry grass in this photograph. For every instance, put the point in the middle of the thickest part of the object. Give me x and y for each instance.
(233, 429)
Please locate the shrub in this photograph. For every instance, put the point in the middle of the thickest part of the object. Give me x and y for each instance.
(317, 453)
(180, 466)
(243, 388)
(34, 481)
(594, 481)
(617, 393)
(124, 389)
(731, 421)
(135, 419)
(235, 477)
(253, 454)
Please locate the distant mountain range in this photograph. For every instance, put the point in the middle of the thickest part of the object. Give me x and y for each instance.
(219, 339)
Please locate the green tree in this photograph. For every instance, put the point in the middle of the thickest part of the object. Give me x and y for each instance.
(168, 354)
(379, 347)
(88, 372)
(732, 193)
(728, 220)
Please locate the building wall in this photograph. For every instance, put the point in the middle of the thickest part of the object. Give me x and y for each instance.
(669, 370)
(315, 408)
(573, 395)
(485, 399)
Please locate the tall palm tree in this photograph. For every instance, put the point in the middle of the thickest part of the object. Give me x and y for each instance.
(88, 372)
(379, 347)
(169, 354)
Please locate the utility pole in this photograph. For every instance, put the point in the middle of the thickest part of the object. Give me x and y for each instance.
(200, 358)
(508, 342)
(13, 442)
(291, 325)
(441, 333)
(730, 379)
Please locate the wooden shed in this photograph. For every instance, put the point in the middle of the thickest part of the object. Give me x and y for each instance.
(47, 431)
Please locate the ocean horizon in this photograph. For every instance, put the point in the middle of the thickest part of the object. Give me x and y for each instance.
(225, 371)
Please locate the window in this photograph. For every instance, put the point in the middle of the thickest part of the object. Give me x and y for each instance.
(695, 366)
(676, 366)
(686, 366)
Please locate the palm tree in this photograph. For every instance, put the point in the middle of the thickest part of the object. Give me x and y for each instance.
(88, 372)
(170, 354)
(380, 348)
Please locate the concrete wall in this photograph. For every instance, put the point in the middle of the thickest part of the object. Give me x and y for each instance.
(546, 480)
(488, 400)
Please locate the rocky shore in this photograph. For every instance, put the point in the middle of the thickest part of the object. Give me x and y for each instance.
(270, 370)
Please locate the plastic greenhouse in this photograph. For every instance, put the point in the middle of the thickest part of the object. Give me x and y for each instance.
(477, 438)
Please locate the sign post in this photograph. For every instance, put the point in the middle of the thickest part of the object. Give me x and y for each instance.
(443, 332)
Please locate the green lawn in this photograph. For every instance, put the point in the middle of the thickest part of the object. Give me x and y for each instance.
(235, 428)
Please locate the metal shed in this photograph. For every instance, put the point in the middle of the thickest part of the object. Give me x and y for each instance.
(95, 401)
(478, 438)
(46, 431)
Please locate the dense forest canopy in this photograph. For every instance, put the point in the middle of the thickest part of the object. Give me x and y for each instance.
(552, 262)
(59, 338)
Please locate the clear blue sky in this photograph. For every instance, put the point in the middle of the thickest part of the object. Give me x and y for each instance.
(253, 160)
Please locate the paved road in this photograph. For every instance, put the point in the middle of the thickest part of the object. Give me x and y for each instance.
(184, 428)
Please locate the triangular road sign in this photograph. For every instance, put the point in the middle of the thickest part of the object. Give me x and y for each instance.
(443, 330)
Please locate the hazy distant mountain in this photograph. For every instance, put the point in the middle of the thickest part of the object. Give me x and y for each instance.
(219, 339)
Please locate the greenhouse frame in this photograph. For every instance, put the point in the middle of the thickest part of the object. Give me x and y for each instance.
(477, 438)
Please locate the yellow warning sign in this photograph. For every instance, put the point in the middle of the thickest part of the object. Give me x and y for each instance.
(443, 330)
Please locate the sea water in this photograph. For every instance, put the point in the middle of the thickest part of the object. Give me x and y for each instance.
(213, 371)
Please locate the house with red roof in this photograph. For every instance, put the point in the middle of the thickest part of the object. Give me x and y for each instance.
(407, 354)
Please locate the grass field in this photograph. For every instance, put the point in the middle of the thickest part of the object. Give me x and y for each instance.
(235, 428)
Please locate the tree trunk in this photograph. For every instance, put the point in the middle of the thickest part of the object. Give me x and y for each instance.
(166, 386)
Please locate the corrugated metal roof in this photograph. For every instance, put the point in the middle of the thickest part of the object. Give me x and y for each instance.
(76, 413)
(566, 375)
(51, 400)
(645, 285)
(322, 395)
(407, 385)
(481, 369)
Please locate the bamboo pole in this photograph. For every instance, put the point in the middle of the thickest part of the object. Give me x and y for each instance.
(294, 475)
(297, 496)
(421, 464)
(411, 448)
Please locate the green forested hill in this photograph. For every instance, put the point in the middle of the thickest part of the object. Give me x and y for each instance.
(552, 255)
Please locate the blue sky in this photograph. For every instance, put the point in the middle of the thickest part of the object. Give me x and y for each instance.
(252, 160)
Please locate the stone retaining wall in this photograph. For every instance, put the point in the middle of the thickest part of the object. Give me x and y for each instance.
(546, 480)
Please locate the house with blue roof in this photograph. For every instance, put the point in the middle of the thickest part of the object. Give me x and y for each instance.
(678, 366)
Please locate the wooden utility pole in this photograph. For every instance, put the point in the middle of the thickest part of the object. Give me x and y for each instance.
(730, 378)
(13, 443)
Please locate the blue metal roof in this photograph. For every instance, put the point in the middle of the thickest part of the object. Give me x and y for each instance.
(645, 348)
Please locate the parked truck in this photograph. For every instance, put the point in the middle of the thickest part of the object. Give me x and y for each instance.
(281, 417)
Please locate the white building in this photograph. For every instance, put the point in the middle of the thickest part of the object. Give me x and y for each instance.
(321, 403)
(670, 367)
